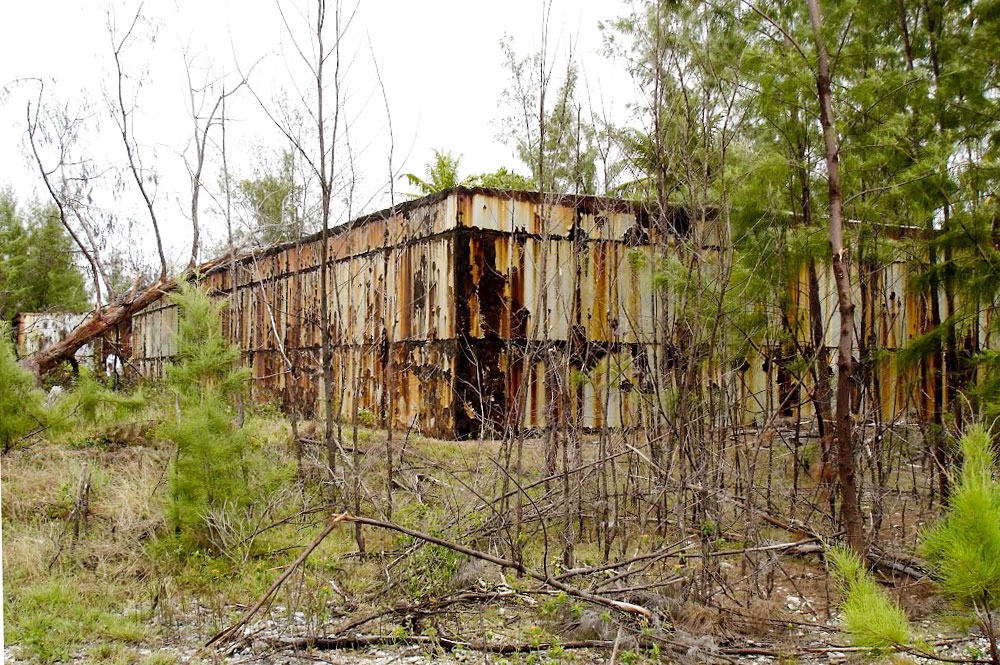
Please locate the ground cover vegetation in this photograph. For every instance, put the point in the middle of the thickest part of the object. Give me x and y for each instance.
(858, 140)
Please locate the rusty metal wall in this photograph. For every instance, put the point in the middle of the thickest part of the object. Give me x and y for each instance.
(390, 282)
(437, 307)
(454, 314)
(550, 291)
(889, 314)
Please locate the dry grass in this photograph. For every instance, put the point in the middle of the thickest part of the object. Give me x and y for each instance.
(128, 582)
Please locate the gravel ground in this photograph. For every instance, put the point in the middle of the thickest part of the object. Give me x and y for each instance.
(182, 644)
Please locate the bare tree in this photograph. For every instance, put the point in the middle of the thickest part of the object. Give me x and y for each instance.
(123, 114)
(202, 123)
(321, 164)
(67, 178)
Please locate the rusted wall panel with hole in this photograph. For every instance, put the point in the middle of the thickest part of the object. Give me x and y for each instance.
(430, 303)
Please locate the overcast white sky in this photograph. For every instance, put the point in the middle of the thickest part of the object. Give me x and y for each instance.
(440, 62)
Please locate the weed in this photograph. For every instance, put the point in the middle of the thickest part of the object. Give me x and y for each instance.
(160, 658)
(366, 418)
(52, 617)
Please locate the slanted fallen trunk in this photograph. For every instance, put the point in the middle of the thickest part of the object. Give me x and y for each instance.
(99, 322)
(232, 632)
(108, 317)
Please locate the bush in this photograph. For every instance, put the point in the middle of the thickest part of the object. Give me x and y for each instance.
(210, 471)
(962, 551)
(20, 402)
(98, 404)
(871, 618)
(963, 547)
(91, 402)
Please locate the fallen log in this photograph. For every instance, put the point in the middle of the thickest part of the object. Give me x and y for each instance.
(895, 564)
(427, 607)
(621, 606)
(228, 633)
(99, 323)
(106, 318)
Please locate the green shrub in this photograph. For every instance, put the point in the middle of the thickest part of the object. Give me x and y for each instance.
(99, 404)
(20, 402)
(963, 547)
(91, 402)
(871, 618)
(210, 471)
(962, 551)
(366, 418)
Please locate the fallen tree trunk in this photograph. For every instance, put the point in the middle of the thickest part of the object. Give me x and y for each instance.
(229, 633)
(99, 323)
(106, 318)
(543, 577)
(447, 643)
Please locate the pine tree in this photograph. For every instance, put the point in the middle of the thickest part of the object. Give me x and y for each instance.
(206, 377)
(871, 618)
(271, 199)
(37, 265)
(963, 548)
(20, 403)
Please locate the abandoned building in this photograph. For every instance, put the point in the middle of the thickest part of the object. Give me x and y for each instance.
(449, 312)
(443, 310)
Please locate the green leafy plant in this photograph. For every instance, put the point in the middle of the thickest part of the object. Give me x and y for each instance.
(440, 173)
(871, 618)
(366, 418)
(95, 403)
(20, 403)
(963, 547)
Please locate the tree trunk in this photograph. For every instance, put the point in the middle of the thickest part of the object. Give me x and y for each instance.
(96, 326)
(821, 375)
(849, 508)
